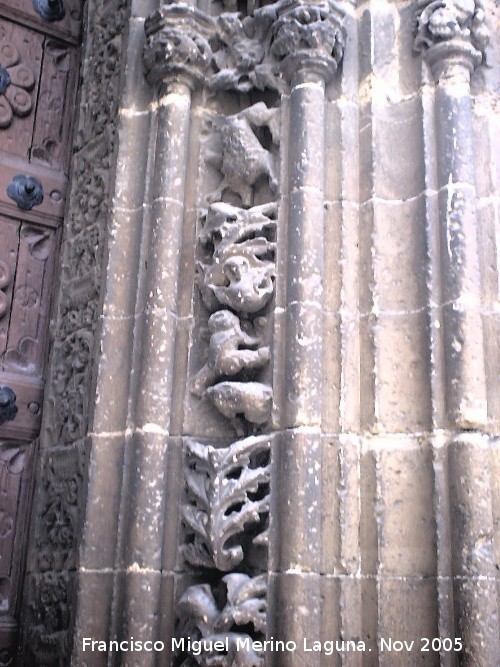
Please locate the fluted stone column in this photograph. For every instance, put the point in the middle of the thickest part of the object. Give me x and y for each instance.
(308, 39)
(453, 39)
(176, 56)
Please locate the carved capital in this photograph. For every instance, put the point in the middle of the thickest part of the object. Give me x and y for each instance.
(308, 36)
(451, 33)
(177, 47)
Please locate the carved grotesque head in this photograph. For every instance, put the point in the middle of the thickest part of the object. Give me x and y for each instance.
(223, 320)
(250, 284)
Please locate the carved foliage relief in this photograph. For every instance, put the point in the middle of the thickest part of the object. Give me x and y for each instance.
(244, 612)
(227, 500)
(51, 589)
(225, 505)
(82, 249)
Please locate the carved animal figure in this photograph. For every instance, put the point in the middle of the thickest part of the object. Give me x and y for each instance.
(224, 355)
(8, 407)
(249, 283)
(253, 400)
(244, 160)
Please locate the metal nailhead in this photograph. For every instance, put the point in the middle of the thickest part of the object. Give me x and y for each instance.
(50, 10)
(26, 191)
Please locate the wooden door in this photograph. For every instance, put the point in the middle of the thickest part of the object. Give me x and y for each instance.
(38, 74)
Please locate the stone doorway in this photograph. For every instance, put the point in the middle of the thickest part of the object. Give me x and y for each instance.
(39, 55)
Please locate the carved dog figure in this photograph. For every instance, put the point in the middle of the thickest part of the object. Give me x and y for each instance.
(253, 400)
(224, 355)
(244, 160)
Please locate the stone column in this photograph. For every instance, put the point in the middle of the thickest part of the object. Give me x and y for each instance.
(308, 40)
(453, 39)
(176, 55)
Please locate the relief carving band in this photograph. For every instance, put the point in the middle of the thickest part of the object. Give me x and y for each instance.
(227, 501)
(177, 47)
(244, 612)
(16, 80)
(236, 271)
(240, 156)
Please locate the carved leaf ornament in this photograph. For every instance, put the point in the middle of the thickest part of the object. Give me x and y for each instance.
(245, 606)
(15, 82)
(227, 491)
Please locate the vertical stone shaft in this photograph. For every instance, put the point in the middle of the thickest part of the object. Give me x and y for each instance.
(296, 519)
(163, 257)
(176, 69)
(472, 557)
(305, 252)
(152, 418)
(460, 283)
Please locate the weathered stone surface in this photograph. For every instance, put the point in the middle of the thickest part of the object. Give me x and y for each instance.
(290, 228)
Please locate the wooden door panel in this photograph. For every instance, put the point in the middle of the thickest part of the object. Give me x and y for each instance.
(29, 398)
(38, 77)
(23, 11)
(25, 348)
(9, 241)
(51, 143)
(16, 466)
(50, 212)
(21, 56)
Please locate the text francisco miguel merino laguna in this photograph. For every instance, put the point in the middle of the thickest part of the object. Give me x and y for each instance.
(224, 644)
